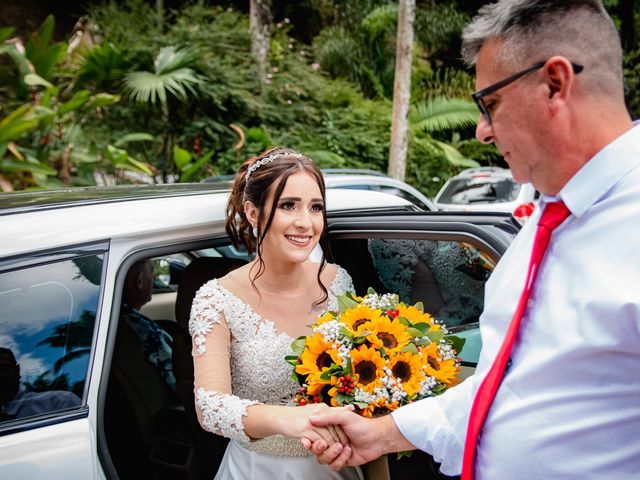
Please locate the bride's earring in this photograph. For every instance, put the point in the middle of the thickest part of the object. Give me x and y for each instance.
(254, 230)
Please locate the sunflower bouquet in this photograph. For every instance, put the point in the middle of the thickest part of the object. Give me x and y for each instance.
(376, 354)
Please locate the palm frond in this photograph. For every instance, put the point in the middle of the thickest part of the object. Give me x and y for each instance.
(172, 58)
(444, 114)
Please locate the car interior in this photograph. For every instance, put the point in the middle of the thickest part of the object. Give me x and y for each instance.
(153, 432)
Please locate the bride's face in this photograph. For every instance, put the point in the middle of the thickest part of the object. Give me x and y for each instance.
(298, 220)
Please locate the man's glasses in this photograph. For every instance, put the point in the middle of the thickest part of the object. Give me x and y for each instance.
(478, 96)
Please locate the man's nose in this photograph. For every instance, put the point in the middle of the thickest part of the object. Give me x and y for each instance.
(484, 131)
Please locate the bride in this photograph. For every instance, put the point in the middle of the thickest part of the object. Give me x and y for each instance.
(243, 324)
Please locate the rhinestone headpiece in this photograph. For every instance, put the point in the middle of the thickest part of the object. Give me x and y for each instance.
(269, 159)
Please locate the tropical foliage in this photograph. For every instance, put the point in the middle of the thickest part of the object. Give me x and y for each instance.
(170, 96)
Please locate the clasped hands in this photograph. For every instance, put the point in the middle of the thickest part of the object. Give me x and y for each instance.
(338, 437)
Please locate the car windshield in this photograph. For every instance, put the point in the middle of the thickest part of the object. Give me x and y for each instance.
(464, 191)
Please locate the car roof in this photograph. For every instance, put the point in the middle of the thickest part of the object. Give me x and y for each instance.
(34, 221)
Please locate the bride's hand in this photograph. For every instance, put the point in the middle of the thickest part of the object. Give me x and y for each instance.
(299, 425)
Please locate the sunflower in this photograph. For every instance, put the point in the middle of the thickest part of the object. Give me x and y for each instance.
(444, 371)
(325, 317)
(415, 315)
(379, 408)
(407, 367)
(356, 317)
(317, 357)
(392, 335)
(367, 364)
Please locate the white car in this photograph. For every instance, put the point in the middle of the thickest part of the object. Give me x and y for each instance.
(487, 189)
(376, 181)
(93, 407)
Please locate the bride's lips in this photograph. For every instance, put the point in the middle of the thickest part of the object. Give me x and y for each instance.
(299, 240)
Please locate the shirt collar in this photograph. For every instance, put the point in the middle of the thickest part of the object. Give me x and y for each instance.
(600, 173)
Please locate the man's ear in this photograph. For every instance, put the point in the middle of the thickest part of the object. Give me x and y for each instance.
(251, 212)
(139, 281)
(559, 76)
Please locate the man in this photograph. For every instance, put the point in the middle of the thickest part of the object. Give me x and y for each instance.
(16, 403)
(138, 286)
(567, 404)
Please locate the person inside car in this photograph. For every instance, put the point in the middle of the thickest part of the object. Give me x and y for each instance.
(17, 403)
(138, 286)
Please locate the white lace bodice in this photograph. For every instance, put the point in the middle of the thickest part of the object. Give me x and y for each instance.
(256, 351)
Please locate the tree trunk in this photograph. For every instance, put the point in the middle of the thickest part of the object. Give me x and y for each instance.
(260, 29)
(402, 90)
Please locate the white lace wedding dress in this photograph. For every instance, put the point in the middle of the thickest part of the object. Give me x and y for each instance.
(227, 333)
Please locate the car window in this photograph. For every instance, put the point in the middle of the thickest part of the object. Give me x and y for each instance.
(401, 193)
(47, 319)
(463, 191)
(448, 277)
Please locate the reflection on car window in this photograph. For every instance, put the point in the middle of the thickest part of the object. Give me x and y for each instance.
(448, 277)
(47, 317)
(464, 191)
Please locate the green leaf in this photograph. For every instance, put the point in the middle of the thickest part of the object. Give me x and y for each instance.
(419, 306)
(116, 155)
(191, 170)
(34, 80)
(406, 453)
(443, 113)
(294, 377)
(16, 123)
(414, 332)
(134, 137)
(102, 100)
(360, 404)
(292, 360)
(11, 165)
(6, 32)
(297, 346)
(181, 157)
(456, 342)
(345, 302)
(138, 166)
(423, 327)
(454, 157)
(78, 100)
(371, 291)
(436, 336)
(343, 399)
(84, 157)
(410, 348)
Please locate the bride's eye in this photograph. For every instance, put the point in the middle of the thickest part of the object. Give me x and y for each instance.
(317, 207)
(287, 205)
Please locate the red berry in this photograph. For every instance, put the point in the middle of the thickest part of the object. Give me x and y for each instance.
(316, 399)
(303, 401)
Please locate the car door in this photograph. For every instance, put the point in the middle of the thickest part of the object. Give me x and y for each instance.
(49, 304)
(442, 259)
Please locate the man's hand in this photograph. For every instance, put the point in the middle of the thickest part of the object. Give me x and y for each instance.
(368, 439)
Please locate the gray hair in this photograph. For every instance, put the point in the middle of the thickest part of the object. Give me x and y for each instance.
(535, 30)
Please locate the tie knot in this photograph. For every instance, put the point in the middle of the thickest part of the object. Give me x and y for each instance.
(553, 215)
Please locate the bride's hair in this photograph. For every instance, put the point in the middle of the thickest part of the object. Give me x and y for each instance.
(256, 178)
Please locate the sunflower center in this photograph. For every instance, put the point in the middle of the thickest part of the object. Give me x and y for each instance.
(432, 363)
(388, 340)
(402, 371)
(359, 322)
(323, 361)
(366, 371)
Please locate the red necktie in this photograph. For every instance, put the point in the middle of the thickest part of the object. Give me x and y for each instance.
(552, 216)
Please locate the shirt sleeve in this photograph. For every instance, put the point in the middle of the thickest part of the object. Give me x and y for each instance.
(218, 410)
(438, 425)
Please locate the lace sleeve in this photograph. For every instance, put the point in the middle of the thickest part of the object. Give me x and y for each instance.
(219, 411)
(342, 283)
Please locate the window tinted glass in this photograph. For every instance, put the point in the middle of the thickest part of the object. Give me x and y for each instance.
(47, 317)
(463, 191)
(448, 277)
(402, 194)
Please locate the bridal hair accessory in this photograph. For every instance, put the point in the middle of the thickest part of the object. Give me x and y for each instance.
(269, 159)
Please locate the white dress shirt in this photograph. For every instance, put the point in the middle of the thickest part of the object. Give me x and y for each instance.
(569, 405)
